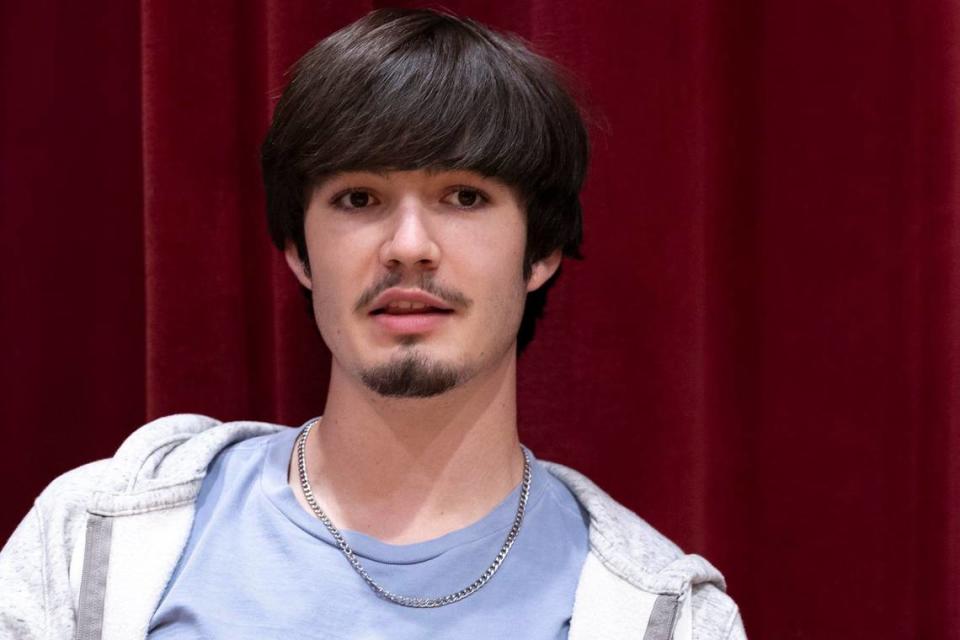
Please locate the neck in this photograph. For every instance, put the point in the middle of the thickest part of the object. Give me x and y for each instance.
(408, 470)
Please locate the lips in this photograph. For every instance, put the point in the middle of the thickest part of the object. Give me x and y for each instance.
(407, 323)
(402, 301)
(406, 307)
(410, 311)
(406, 311)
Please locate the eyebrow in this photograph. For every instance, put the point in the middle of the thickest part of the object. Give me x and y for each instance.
(321, 181)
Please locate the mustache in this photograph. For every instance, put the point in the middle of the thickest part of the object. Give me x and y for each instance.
(425, 283)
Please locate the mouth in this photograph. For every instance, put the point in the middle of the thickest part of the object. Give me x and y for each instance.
(406, 321)
(409, 312)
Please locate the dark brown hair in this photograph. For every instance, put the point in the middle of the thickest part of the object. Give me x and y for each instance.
(407, 89)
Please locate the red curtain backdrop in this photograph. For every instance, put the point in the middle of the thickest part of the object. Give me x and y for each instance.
(760, 353)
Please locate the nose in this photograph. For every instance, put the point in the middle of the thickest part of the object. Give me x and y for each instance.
(409, 242)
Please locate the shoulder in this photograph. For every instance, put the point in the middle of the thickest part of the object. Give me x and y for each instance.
(637, 553)
(154, 461)
(629, 545)
(159, 467)
(715, 615)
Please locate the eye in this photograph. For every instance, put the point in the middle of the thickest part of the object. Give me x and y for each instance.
(466, 198)
(353, 199)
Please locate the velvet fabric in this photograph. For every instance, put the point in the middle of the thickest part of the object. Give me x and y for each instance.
(760, 353)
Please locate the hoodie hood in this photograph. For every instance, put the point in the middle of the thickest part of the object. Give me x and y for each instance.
(632, 549)
(163, 464)
(95, 553)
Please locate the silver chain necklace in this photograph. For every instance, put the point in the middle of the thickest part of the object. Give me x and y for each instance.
(411, 601)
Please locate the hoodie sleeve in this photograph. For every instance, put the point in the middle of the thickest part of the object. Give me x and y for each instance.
(736, 628)
(37, 597)
(715, 615)
(23, 593)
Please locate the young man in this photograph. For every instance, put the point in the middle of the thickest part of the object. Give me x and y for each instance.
(422, 176)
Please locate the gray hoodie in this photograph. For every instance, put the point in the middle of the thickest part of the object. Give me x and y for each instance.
(93, 556)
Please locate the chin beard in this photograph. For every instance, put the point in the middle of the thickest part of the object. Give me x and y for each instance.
(412, 376)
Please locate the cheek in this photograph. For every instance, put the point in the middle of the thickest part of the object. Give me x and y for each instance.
(335, 291)
(337, 265)
(500, 278)
(487, 262)
(495, 245)
(324, 310)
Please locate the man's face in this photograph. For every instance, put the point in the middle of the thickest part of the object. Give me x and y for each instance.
(452, 235)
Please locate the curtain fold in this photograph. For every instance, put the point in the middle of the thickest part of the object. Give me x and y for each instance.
(760, 353)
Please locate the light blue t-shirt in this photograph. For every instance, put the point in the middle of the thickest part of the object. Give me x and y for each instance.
(259, 566)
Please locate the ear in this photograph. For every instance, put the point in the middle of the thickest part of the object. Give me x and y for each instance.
(299, 268)
(543, 269)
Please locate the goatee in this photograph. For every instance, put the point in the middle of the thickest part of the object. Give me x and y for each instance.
(413, 376)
